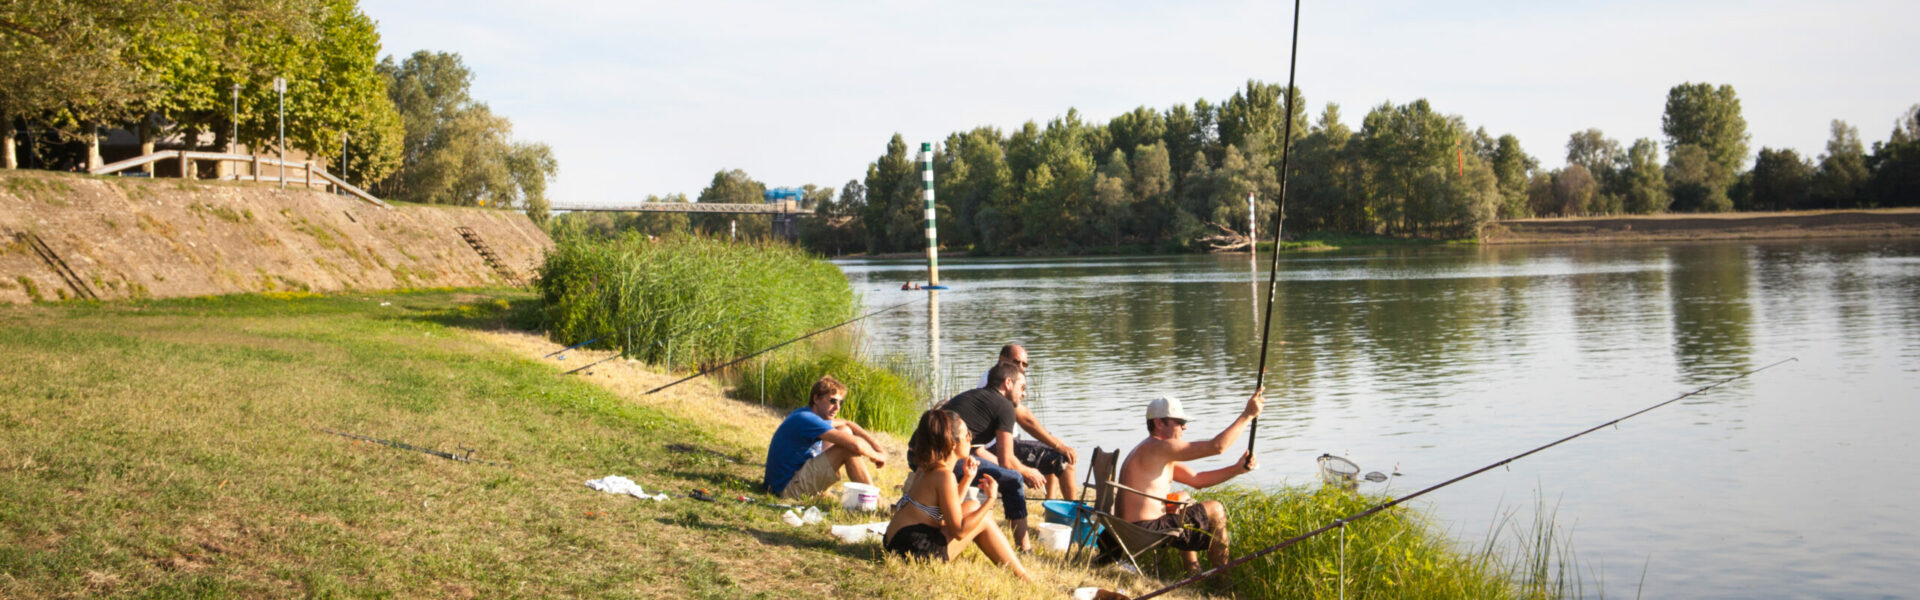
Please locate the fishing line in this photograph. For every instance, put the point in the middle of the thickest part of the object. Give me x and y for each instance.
(779, 345)
(1390, 504)
(1280, 221)
(668, 338)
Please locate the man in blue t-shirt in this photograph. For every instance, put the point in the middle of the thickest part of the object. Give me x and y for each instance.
(811, 448)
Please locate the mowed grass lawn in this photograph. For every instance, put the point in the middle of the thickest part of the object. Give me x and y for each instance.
(167, 449)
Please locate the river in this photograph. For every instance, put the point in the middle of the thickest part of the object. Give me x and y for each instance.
(1433, 361)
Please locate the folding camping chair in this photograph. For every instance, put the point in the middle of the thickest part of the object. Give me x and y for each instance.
(1129, 540)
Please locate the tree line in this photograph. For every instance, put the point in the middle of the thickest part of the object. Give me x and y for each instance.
(406, 130)
(1166, 179)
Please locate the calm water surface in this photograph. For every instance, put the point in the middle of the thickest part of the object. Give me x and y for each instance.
(1432, 362)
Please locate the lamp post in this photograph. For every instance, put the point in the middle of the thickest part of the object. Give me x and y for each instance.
(234, 137)
(280, 87)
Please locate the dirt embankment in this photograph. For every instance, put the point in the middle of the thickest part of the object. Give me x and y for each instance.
(1892, 222)
(140, 238)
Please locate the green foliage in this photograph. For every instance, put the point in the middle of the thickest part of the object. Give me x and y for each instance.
(835, 227)
(682, 300)
(878, 397)
(1708, 117)
(1896, 163)
(1841, 180)
(1781, 181)
(733, 187)
(455, 150)
(1644, 183)
(1392, 554)
(1697, 183)
(1510, 168)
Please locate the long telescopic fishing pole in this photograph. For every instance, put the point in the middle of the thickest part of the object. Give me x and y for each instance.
(1390, 504)
(1280, 221)
(777, 346)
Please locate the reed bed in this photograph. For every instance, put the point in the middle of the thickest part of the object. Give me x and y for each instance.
(687, 300)
(1396, 553)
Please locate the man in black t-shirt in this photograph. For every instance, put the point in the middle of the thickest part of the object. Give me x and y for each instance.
(989, 415)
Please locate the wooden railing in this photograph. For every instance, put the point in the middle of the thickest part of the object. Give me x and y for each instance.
(310, 176)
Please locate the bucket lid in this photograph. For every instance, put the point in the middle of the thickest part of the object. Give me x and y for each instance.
(852, 486)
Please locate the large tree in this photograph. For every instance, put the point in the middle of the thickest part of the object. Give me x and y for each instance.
(1708, 117)
(1644, 182)
(733, 187)
(1697, 183)
(1780, 180)
(1511, 166)
(1841, 179)
(1896, 163)
(65, 63)
(455, 150)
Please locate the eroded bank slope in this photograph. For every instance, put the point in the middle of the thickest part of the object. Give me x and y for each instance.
(139, 238)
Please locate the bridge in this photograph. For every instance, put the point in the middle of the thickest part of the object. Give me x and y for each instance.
(786, 207)
(782, 203)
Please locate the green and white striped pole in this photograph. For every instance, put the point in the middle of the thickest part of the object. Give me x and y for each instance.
(933, 235)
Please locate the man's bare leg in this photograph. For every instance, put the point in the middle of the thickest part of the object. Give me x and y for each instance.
(845, 458)
(1066, 483)
(1217, 519)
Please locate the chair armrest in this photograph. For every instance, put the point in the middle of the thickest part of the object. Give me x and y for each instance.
(1122, 487)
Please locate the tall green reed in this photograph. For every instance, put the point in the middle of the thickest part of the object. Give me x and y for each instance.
(685, 300)
(879, 395)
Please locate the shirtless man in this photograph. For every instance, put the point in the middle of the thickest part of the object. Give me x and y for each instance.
(1160, 460)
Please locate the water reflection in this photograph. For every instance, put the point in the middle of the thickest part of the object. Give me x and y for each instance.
(1442, 359)
(1712, 313)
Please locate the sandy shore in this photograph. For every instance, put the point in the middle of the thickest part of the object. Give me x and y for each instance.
(1876, 223)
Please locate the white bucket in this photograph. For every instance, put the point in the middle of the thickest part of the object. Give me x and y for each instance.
(1054, 536)
(859, 497)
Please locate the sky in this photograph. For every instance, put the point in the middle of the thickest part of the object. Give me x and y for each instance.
(641, 98)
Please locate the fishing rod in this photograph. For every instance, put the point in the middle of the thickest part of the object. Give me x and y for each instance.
(467, 456)
(550, 354)
(777, 346)
(1280, 221)
(1337, 523)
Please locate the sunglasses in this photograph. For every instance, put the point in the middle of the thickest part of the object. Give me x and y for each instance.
(1179, 422)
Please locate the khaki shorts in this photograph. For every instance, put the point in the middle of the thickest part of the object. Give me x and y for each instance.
(812, 478)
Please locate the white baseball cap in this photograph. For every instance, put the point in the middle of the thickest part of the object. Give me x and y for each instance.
(1166, 407)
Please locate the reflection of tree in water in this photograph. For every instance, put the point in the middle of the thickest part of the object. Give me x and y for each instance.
(1712, 311)
(1617, 310)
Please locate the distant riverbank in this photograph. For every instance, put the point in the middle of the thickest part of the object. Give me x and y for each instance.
(1892, 222)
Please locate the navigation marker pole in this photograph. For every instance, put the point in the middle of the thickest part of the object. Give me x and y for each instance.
(933, 235)
(933, 265)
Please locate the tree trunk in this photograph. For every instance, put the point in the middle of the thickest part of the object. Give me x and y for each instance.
(226, 145)
(93, 147)
(146, 142)
(6, 144)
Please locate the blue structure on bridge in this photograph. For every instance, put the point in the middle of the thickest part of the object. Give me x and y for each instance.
(785, 223)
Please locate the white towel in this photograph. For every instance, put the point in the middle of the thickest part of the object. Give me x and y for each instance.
(615, 484)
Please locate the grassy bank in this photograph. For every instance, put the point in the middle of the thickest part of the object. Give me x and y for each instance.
(167, 449)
